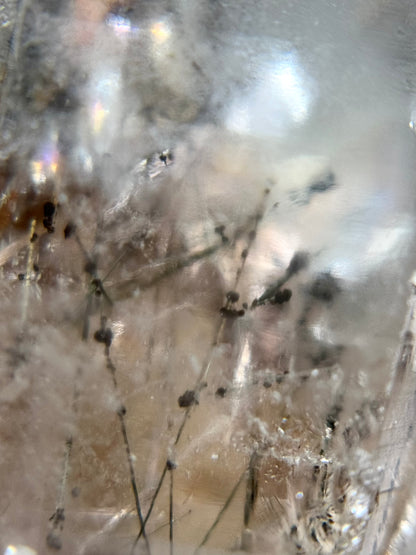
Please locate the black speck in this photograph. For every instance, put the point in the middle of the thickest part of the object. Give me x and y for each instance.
(221, 392)
(35, 267)
(293, 530)
(231, 313)
(332, 417)
(232, 296)
(96, 283)
(122, 411)
(166, 156)
(267, 384)
(245, 306)
(282, 297)
(48, 214)
(244, 253)
(69, 230)
(104, 336)
(220, 231)
(21, 277)
(48, 210)
(99, 336)
(34, 237)
(188, 399)
(47, 224)
(170, 465)
(331, 422)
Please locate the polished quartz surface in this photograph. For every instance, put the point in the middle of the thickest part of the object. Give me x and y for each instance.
(207, 221)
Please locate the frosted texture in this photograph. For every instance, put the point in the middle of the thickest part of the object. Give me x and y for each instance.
(207, 222)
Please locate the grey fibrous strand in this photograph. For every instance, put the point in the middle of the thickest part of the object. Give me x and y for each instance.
(251, 488)
(206, 366)
(53, 538)
(16, 352)
(222, 511)
(149, 275)
(121, 414)
(96, 284)
(171, 469)
(105, 337)
(170, 523)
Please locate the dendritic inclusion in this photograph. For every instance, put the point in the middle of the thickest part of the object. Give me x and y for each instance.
(203, 333)
(142, 314)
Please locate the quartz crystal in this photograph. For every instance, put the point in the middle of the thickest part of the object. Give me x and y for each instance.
(207, 225)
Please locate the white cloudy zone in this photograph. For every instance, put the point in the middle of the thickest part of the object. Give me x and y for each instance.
(198, 148)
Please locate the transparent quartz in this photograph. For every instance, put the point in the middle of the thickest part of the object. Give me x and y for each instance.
(207, 225)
